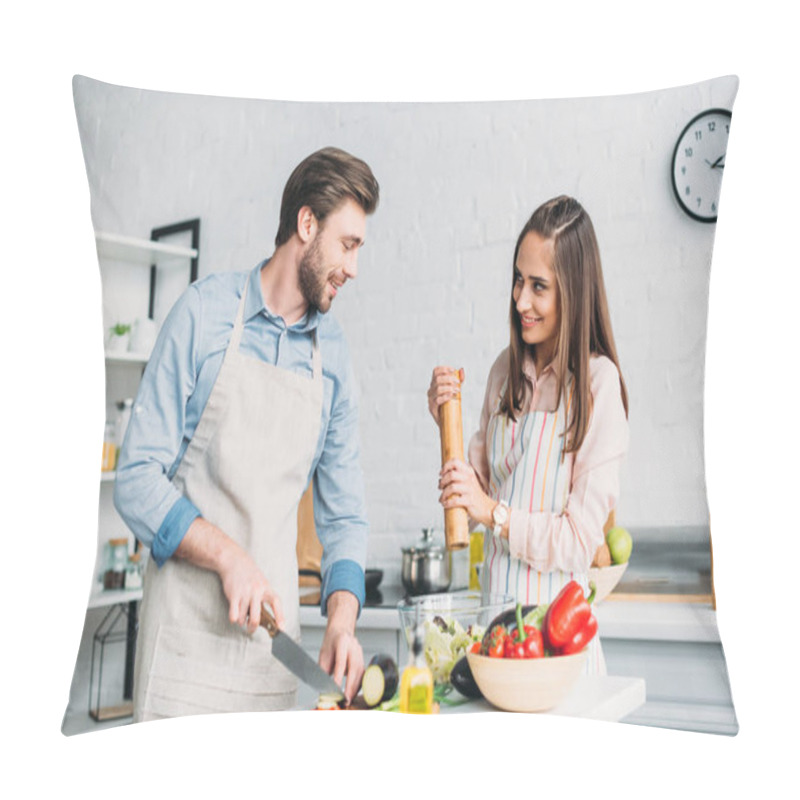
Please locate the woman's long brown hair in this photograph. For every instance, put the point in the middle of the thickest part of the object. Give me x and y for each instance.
(585, 324)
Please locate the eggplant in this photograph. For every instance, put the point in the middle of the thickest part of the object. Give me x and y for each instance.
(380, 680)
(463, 681)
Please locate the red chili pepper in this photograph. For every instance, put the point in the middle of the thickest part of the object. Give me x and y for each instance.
(567, 615)
(581, 638)
(475, 647)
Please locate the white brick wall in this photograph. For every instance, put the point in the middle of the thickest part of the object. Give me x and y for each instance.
(458, 181)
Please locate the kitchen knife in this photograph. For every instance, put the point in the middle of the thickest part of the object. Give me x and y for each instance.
(296, 660)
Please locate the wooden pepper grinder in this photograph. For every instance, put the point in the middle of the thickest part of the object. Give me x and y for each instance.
(456, 524)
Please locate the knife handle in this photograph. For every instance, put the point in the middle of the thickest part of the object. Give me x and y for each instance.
(268, 621)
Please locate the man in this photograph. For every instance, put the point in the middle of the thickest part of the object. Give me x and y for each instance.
(249, 395)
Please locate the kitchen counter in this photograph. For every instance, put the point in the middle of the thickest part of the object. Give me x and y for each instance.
(688, 620)
(599, 697)
(659, 626)
(668, 567)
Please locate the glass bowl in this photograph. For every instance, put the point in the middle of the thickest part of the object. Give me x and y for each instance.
(450, 622)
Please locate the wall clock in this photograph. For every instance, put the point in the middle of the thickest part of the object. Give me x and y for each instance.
(698, 161)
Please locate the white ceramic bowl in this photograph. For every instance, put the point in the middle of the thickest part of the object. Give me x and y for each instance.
(606, 579)
(527, 684)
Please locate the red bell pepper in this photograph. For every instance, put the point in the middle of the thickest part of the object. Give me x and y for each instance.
(581, 638)
(567, 615)
(525, 642)
(513, 648)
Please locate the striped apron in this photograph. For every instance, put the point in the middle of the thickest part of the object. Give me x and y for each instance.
(526, 470)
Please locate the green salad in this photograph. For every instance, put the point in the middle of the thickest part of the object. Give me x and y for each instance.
(444, 642)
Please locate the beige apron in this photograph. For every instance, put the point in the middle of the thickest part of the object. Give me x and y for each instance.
(246, 467)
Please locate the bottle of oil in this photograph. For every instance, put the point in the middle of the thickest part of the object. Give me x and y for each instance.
(416, 685)
(475, 558)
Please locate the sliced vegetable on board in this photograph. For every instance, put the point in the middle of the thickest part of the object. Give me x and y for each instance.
(380, 680)
(328, 701)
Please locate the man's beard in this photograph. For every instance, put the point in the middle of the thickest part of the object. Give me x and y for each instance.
(313, 278)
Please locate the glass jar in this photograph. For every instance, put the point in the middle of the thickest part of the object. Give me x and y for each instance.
(116, 564)
(133, 573)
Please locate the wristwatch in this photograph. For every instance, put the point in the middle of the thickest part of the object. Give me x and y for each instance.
(500, 514)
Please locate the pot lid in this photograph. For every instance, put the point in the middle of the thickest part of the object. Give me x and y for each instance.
(425, 544)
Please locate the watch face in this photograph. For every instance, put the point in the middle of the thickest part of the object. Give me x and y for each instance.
(500, 514)
(698, 163)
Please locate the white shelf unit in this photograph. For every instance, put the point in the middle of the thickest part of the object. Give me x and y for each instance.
(126, 252)
(126, 358)
(144, 251)
(124, 265)
(110, 597)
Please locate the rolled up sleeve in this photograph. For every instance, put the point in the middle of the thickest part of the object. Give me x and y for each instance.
(339, 506)
(152, 507)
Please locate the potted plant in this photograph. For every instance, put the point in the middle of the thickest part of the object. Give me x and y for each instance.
(119, 337)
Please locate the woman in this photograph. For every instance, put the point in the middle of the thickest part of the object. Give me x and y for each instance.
(543, 470)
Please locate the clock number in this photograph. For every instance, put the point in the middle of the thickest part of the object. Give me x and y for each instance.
(698, 135)
(699, 201)
(712, 126)
(688, 190)
(688, 152)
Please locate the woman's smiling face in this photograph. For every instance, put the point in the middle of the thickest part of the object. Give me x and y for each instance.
(536, 296)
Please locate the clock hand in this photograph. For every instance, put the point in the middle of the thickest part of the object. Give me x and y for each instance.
(717, 164)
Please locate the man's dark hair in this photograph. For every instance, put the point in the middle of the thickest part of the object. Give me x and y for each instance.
(323, 181)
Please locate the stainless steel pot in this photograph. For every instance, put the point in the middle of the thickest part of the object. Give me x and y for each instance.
(426, 566)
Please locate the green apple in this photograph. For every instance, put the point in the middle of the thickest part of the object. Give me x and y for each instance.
(620, 544)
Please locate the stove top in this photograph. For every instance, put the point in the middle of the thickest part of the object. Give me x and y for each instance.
(383, 597)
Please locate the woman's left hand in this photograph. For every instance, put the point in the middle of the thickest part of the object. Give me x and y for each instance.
(461, 489)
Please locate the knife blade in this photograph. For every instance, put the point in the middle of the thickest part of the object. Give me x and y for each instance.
(296, 660)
